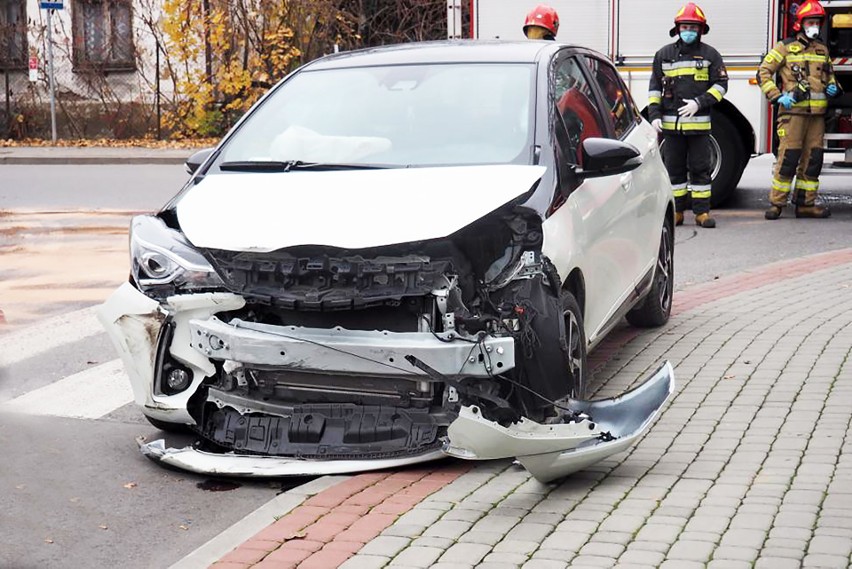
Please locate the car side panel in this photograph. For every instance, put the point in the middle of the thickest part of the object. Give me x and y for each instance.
(588, 232)
(648, 196)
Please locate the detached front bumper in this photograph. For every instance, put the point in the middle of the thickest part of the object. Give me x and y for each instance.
(548, 452)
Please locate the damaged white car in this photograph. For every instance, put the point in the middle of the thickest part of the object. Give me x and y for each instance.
(401, 254)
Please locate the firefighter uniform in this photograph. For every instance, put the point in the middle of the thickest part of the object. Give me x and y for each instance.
(804, 70)
(682, 72)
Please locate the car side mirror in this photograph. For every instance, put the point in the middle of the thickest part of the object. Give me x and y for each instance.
(605, 157)
(196, 160)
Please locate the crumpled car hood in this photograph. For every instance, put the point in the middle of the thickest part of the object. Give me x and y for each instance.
(350, 209)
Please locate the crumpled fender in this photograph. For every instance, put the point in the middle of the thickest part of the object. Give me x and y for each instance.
(133, 323)
(548, 452)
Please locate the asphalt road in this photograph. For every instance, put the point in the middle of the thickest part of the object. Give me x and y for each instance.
(76, 492)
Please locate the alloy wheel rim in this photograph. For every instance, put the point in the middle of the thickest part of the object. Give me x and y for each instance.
(664, 269)
(575, 354)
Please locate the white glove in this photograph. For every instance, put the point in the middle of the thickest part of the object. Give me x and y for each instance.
(689, 109)
(657, 124)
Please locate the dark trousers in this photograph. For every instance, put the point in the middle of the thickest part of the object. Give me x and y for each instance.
(687, 159)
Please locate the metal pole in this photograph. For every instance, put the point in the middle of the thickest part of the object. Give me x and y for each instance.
(159, 128)
(8, 105)
(50, 72)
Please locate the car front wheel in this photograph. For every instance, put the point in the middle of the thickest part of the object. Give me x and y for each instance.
(575, 340)
(657, 306)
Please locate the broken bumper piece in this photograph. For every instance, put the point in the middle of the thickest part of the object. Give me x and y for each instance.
(238, 465)
(549, 451)
(597, 430)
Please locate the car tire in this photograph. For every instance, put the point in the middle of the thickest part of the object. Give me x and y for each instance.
(733, 159)
(575, 339)
(657, 306)
(168, 427)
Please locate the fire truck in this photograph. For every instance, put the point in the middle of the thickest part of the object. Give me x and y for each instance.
(629, 32)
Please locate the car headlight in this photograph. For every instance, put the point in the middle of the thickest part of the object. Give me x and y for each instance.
(163, 262)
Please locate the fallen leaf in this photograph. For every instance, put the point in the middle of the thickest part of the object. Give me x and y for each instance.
(130, 485)
(103, 526)
(48, 541)
(297, 535)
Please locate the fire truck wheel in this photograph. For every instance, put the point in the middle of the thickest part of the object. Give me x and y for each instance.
(730, 159)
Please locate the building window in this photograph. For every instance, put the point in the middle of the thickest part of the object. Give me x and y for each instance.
(13, 34)
(103, 35)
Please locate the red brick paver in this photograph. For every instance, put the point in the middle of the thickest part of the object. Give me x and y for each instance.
(333, 525)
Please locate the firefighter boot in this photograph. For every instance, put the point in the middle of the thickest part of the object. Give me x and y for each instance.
(678, 218)
(777, 201)
(812, 211)
(774, 212)
(704, 220)
(807, 206)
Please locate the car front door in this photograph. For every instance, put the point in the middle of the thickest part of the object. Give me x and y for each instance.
(586, 228)
(641, 228)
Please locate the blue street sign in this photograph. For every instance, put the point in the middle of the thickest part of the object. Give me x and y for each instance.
(55, 5)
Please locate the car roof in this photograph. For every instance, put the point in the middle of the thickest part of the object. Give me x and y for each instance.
(448, 51)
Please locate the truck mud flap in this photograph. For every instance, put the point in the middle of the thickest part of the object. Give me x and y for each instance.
(237, 465)
(594, 431)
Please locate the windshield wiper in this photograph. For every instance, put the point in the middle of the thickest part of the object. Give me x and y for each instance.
(279, 166)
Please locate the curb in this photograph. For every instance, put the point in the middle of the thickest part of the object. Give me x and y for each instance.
(89, 160)
(254, 523)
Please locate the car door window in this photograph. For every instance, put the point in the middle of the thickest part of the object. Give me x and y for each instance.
(620, 107)
(575, 103)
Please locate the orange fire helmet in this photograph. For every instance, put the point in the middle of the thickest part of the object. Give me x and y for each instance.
(690, 14)
(809, 9)
(543, 16)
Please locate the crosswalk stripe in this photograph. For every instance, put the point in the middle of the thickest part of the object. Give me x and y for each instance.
(48, 335)
(89, 394)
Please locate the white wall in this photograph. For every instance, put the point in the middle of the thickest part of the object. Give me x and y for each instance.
(70, 86)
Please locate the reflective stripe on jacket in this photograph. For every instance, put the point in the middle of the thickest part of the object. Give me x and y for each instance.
(681, 72)
(803, 68)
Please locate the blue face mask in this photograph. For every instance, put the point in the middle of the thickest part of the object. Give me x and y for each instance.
(688, 36)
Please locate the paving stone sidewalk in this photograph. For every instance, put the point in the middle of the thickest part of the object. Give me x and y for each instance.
(747, 465)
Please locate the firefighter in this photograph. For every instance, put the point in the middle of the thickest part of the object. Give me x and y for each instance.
(688, 77)
(541, 23)
(806, 79)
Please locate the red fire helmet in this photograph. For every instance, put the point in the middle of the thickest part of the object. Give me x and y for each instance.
(690, 14)
(809, 9)
(543, 16)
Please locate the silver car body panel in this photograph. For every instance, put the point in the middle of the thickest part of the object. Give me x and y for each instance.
(549, 452)
(350, 352)
(268, 212)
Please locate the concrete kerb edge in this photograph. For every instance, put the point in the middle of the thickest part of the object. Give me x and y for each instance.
(90, 160)
(254, 523)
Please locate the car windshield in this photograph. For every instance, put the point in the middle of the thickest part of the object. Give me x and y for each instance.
(392, 116)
